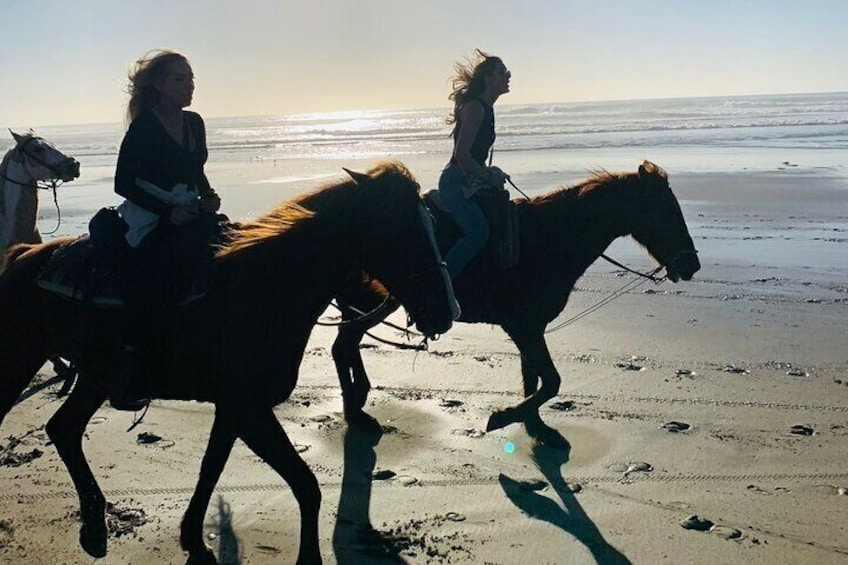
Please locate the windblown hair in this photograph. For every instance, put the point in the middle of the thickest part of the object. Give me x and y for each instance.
(468, 82)
(151, 68)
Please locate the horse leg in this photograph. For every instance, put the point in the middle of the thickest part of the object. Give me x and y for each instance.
(536, 364)
(262, 433)
(18, 365)
(65, 372)
(66, 429)
(352, 376)
(218, 450)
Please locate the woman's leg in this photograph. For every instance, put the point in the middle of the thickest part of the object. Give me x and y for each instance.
(466, 212)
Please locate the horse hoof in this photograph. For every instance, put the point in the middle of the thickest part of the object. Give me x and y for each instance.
(93, 540)
(203, 556)
(498, 420)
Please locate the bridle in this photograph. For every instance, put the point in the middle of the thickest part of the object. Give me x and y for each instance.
(46, 184)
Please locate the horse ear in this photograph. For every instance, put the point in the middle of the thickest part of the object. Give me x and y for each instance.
(358, 178)
(648, 170)
(17, 137)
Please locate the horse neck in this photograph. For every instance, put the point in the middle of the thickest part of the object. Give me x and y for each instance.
(582, 227)
(18, 201)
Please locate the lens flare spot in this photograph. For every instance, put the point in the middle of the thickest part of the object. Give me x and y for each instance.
(509, 447)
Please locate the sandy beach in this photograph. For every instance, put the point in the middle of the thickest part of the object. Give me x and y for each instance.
(722, 398)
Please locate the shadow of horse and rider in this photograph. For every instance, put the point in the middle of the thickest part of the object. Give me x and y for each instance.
(367, 242)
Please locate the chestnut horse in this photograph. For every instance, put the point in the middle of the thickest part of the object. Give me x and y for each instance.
(33, 163)
(240, 346)
(562, 233)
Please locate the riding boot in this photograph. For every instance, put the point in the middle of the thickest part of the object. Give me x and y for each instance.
(129, 373)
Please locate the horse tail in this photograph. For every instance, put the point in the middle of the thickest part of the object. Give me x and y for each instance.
(24, 343)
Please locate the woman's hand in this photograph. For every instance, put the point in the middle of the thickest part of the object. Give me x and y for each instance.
(210, 203)
(496, 177)
(183, 214)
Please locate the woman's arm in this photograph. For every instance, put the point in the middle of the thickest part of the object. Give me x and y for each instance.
(130, 163)
(470, 117)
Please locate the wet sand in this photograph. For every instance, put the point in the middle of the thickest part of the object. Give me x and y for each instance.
(722, 398)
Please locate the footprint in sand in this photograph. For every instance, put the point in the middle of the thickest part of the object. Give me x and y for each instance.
(300, 448)
(383, 475)
(735, 369)
(797, 373)
(685, 373)
(468, 432)
(726, 532)
(450, 405)
(695, 522)
(454, 517)
(321, 418)
(406, 480)
(564, 406)
(801, 430)
(629, 366)
(676, 427)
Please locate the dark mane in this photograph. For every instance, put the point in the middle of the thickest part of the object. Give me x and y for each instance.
(596, 180)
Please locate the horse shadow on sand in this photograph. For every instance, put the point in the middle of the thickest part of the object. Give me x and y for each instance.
(355, 540)
(570, 516)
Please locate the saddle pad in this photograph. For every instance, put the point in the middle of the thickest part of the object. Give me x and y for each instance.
(75, 272)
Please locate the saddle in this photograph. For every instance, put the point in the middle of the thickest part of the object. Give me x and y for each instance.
(88, 269)
(502, 249)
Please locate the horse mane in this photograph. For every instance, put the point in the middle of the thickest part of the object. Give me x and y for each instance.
(598, 178)
(274, 224)
(299, 211)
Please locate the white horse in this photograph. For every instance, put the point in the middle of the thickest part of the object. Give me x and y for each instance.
(32, 164)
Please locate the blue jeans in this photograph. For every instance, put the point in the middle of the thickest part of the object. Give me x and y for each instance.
(466, 212)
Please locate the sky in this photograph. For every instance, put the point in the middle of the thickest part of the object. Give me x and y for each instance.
(66, 62)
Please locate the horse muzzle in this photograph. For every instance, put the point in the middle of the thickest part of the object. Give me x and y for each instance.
(69, 170)
(683, 266)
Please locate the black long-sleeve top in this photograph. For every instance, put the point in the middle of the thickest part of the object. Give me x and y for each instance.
(149, 153)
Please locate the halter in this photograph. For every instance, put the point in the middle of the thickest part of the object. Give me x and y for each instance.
(48, 184)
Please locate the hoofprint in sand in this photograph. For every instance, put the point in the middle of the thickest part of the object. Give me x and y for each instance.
(749, 376)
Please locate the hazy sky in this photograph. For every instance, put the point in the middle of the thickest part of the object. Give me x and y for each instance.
(66, 61)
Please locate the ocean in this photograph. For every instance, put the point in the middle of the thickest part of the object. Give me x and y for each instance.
(256, 162)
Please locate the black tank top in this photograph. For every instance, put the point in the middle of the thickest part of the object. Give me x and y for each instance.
(485, 135)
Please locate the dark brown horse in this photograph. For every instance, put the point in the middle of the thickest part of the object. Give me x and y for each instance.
(241, 345)
(562, 233)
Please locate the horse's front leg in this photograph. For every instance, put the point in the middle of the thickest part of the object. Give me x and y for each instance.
(536, 364)
(221, 441)
(66, 429)
(352, 376)
(262, 433)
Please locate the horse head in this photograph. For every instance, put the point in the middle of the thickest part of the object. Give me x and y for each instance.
(399, 246)
(42, 160)
(660, 227)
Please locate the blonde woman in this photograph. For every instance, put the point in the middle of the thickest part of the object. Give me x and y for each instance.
(476, 86)
(160, 174)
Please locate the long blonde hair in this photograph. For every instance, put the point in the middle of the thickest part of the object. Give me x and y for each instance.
(468, 82)
(142, 76)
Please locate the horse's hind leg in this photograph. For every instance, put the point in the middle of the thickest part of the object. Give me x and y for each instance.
(536, 364)
(220, 445)
(66, 429)
(262, 433)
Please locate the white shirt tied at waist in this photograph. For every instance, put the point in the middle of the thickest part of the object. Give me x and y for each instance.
(142, 221)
